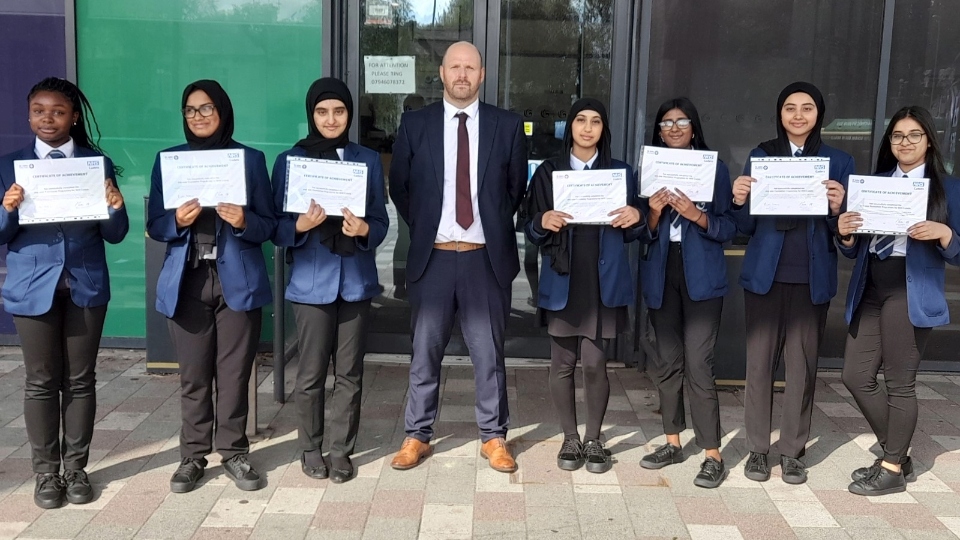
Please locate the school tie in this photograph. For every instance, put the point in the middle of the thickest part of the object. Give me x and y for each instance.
(798, 153)
(884, 246)
(56, 154)
(674, 218)
(464, 201)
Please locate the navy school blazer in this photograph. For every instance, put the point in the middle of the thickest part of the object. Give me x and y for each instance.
(763, 249)
(317, 275)
(616, 283)
(416, 184)
(704, 265)
(39, 254)
(926, 301)
(240, 263)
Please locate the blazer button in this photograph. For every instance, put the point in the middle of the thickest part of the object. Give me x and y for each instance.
(59, 235)
(59, 261)
(909, 278)
(601, 261)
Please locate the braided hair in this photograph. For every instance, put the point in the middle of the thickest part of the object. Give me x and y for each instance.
(78, 132)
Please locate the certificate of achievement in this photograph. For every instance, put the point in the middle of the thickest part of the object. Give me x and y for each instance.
(888, 205)
(334, 185)
(691, 171)
(210, 176)
(589, 195)
(789, 186)
(59, 190)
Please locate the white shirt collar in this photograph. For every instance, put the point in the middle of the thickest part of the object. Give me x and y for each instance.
(449, 111)
(917, 172)
(794, 148)
(578, 165)
(42, 149)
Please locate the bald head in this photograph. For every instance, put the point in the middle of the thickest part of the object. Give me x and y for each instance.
(462, 73)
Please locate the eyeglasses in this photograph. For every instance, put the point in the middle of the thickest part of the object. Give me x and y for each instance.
(204, 110)
(913, 137)
(683, 123)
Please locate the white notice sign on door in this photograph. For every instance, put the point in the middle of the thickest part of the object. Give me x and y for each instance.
(389, 74)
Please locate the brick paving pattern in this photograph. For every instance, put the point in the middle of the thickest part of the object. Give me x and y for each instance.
(454, 494)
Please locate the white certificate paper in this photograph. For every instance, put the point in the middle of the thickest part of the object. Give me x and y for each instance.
(334, 185)
(60, 190)
(210, 176)
(691, 171)
(789, 186)
(887, 205)
(589, 195)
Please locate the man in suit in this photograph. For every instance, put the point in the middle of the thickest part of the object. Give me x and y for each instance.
(457, 178)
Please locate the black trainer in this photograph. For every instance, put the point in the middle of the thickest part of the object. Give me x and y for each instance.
(866, 472)
(667, 454)
(597, 457)
(341, 469)
(313, 469)
(712, 474)
(187, 475)
(882, 482)
(49, 491)
(242, 473)
(756, 468)
(794, 471)
(571, 456)
(79, 490)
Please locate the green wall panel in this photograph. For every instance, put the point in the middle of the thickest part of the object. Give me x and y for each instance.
(134, 58)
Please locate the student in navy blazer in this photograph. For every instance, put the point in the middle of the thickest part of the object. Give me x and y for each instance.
(57, 288)
(457, 178)
(683, 276)
(333, 277)
(898, 284)
(585, 281)
(789, 275)
(212, 287)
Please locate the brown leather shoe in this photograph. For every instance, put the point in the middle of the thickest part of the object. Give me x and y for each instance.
(411, 453)
(497, 453)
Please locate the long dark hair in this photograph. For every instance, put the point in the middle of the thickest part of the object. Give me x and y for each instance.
(79, 132)
(935, 171)
(688, 108)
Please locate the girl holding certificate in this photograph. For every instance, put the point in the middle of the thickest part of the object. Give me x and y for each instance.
(896, 285)
(683, 280)
(333, 277)
(57, 288)
(212, 287)
(789, 275)
(581, 318)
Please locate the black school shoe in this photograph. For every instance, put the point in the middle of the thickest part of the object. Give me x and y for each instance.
(79, 490)
(667, 454)
(341, 469)
(318, 471)
(597, 458)
(794, 471)
(712, 474)
(866, 472)
(571, 455)
(185, 478)
(242, 473)
(757, 468)
(882, 482)
(50, 491)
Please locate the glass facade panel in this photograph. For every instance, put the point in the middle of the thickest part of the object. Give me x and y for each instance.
(134, 59)
(33, 47)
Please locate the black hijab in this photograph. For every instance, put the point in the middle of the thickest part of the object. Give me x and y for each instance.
(780, 147)
(204, 238)
(319, 147)
(223, 136)
(315, 144)
(540, 195)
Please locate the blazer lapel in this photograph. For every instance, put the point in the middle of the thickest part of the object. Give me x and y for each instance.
(435, 137)
(488, 129)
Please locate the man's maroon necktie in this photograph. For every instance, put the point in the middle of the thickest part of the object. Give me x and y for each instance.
(464, 201)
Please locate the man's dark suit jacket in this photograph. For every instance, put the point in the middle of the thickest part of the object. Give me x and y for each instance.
(416, 184)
